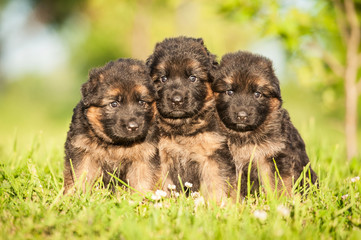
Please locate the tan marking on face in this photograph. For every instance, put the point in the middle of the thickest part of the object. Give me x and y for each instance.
(210, 94)
(274, 104)
(161, 66)
(154, 111)
(261, 82)
(113, 92)
(141, 89)
(94, 115)
(196, 67)
(229, 80)
(111, 95)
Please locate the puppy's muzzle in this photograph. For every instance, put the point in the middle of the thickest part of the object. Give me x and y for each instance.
(177, 100)
(242, 116)
(132, 126)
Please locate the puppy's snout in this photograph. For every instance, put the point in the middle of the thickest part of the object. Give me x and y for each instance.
(177, 99)
(242, 115)
(132, 126)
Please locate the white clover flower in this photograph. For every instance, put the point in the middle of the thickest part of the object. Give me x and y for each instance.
(176, 194)
(188, 185)
(344, 196)
(260, 214)
(355, 179)
(195, 195)
(158, 205)
(160, 193)
(283, 210)
(199, 201)
(156, 197)
(171, 187)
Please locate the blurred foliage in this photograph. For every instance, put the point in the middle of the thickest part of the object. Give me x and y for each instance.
(307, 32)
(95, 32)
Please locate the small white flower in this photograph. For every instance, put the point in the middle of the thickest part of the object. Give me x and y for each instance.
(195, 195)
(199, 201)
(156, 197)
(171, 187)
(158, 205)
(160, 193)
(344, 196)
(355, 179)
(283, 210)
(176, 194)
(260, 214)
(188, 185)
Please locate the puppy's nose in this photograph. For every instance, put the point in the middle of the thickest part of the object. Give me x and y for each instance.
(177, 99)
(132, 126)
(242, 115)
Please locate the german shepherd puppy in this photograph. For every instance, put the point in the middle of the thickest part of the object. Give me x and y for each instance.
(112, 128)
(191, 146)
(249, 104)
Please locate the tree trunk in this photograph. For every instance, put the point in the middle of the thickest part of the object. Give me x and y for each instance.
(351, 114)
(352, 64)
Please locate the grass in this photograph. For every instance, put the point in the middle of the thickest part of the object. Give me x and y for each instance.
(32, 205)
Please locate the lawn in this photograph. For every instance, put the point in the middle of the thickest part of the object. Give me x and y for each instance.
(32, 205)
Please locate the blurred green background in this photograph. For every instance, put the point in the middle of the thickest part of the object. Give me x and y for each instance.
(48, 46)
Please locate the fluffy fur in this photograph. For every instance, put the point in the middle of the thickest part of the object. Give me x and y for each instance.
(249, 104)
(112, 128)
(191, 145)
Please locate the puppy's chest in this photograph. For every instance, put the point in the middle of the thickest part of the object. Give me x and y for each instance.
(116, 155)
(242, 153)
(182, 150)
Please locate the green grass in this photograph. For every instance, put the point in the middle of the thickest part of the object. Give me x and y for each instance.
(32, 205)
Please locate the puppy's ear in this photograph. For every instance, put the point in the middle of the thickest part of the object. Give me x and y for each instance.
(214, 71)
(200, 40)
(150, 60)
(212, 57)
(89, 90)
(277, 89)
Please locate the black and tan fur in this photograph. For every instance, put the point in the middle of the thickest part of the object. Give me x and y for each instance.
(249, 104)
(112, 129)
(191, 145)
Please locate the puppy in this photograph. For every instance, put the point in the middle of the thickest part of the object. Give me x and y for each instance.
(112, 129)
(191, 147)
(249, 104)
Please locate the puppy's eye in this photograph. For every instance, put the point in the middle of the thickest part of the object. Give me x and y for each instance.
(257, 94)
(229, 92)
(114, 104)
(163, 79)
(193, 78)
(142, 103)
